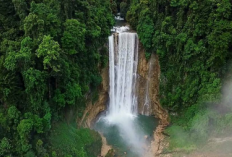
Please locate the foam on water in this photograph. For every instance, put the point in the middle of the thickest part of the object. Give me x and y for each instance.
(120, 29)
(123, 60)
(119, 18)
(122, 110)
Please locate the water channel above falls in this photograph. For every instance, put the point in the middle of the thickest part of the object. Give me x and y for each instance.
(129, 133)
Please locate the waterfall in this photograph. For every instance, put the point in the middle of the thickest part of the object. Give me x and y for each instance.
(123, 61)
(122, 111)
(147, 103)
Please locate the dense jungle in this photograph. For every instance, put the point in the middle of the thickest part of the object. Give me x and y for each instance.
(193, 41)
(52, 53)
(50, 56)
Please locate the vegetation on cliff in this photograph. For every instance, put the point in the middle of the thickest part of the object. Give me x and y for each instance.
(193, 41)
(50, 55)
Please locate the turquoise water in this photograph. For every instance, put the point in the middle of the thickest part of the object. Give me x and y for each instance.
(144, 125)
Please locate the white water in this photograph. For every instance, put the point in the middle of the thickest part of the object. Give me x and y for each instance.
(122, 110)
(147, 103)
(123, 60)
(120, 29)
(119, 18)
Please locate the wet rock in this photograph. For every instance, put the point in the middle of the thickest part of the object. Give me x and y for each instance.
(93, 109)
(145, 136)
(155, 108)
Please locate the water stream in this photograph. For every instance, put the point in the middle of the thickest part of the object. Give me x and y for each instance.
(147, 103)
(128, 132)
(144, 126)
(123, 61)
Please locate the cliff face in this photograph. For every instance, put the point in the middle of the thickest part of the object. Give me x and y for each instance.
(145, 80)
(93, 109)
(148, 97)
(147, 90)
(148, 86)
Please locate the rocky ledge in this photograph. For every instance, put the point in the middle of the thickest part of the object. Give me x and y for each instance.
(144, 75)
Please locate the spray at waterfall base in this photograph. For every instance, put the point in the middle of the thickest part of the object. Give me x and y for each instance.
(121, 120)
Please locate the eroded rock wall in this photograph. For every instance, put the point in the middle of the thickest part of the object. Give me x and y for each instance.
(153, 77)
(93, 109)
(143, 88)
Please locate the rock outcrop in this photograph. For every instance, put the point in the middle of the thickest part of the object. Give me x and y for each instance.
(93, 109)
(148, 85)
(152, 88)
(105, 147)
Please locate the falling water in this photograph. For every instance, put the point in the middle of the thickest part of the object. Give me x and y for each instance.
(123, 60)
(122, 110)
(147, 103)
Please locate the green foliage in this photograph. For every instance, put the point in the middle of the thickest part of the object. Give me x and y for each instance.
(41, 151)
(114, 7)
(193, 42)
(192, 50)
(43, 19)
(50, 51)
(75, 142)
(224, 121)
(74, 36)
(50, 60)
(123, 9)
(147, 55)
(180, 139)
(24, 128)
(110, 153)
(35, 87)
(132, 15)
(196, 125)
(5, 146)
(145, 29)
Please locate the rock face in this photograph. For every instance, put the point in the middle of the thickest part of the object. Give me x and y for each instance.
(147, 91)
(148, 85)
(105, 147)
(93, 109)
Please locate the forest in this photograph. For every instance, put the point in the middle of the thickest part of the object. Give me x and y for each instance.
(193, 40)
(51, 52)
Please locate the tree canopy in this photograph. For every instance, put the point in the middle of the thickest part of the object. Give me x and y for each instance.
(50, 59)
(193, 41)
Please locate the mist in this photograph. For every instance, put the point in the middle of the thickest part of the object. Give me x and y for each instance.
(209, 131)
(131, 133)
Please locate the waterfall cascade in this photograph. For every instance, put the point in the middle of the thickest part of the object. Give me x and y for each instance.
(147, 103)
(122, 121)
(123, 60)
(122, 111)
